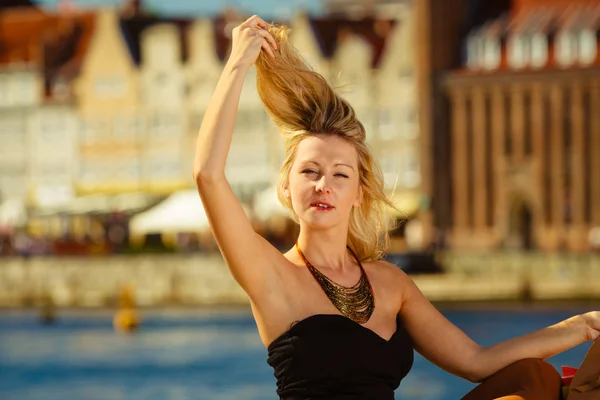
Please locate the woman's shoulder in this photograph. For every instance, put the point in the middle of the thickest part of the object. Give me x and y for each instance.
(387, 274)
(389, 281)
(382, 267)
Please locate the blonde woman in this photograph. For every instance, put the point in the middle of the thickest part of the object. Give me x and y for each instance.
(338, 322)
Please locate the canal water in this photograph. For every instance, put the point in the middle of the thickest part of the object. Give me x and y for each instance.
(207, 354)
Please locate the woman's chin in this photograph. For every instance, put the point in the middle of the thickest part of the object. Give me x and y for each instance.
(319, 222)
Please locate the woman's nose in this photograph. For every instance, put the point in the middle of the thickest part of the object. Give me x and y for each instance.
(323, 185)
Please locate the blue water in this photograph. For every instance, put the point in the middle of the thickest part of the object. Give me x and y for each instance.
(205, 354)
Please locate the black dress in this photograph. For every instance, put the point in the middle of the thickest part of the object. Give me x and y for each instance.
(329, 356)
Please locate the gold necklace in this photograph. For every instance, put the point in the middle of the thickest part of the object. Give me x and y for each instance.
(355, 302)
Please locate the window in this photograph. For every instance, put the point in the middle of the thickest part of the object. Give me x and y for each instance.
(25, 89)
(406, 74)
(388, 128)
(588, 47)
(539, 50)
(156, 127)
(411, 175)
(13, 138)
(94, 131)
(126, 129)
(91, 172)
(5, 140)
(410, 125)
(366, 117)
(12, 183)
(518, 51)
(473, 50)
(391, 169)
(109, 87)
(165, 127)
(250, 119)
(163, 167)
(127, 170)
(52, 122)
(492, 53)
(53, 171)
(161, 79)
(88, 133)
(61, 89)
(566, 48)
(248, 164)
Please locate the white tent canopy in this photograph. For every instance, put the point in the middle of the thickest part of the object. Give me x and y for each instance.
(100, 203)
(13, 213)
(180, 212)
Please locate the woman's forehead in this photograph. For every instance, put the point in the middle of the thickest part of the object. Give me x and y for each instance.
(326, 148)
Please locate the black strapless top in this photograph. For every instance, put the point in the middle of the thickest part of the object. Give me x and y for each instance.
(329, 356)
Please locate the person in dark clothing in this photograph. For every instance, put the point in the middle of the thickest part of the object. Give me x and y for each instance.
(338, 322)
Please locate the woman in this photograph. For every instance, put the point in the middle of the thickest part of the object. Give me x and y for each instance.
(338, 322)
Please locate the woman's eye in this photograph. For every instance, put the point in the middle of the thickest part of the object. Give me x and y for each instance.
(310, 171)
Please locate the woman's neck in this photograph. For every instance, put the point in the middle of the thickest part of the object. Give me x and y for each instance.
(326, 249)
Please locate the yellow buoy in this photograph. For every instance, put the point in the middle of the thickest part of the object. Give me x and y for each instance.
(126, 318)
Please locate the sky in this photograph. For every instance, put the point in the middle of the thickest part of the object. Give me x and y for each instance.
(264, 8)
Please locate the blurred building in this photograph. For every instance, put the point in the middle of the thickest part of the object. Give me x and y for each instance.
(38, 123)
(523, 130)
(97, 104)
(112, 135)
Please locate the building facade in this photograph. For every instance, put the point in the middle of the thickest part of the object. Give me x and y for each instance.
(107, 102)
(525, 135)
(119, 110)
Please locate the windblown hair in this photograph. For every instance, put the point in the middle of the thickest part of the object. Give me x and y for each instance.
(301, 103)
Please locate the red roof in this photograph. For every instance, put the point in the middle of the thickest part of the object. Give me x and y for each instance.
(54, 43)
(21, 31)
(520, 6)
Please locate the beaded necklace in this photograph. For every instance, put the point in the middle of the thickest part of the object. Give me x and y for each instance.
(355, 302)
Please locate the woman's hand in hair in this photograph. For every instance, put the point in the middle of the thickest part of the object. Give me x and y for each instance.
(248, 40)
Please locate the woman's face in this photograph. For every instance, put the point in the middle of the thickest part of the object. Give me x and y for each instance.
(324, 181)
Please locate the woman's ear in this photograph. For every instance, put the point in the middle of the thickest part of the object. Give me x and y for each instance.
(286, 192)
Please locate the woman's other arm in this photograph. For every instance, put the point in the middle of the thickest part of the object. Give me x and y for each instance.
(444, 344)
(542, 344)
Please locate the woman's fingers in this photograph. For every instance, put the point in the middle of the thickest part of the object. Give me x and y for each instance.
(266, 46)
(254, 22)
(256, 26)
(268, 37)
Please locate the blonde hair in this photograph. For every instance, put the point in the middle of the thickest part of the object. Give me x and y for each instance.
(301, 103)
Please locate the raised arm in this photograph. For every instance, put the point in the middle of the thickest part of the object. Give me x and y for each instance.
(250, 258)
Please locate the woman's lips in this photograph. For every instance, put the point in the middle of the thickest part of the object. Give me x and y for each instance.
(322, 206)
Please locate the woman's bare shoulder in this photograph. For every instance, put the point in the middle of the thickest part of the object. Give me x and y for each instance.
(389, 280)
(387, 269)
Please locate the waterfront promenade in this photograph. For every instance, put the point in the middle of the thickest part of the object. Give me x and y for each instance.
(197, 280)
